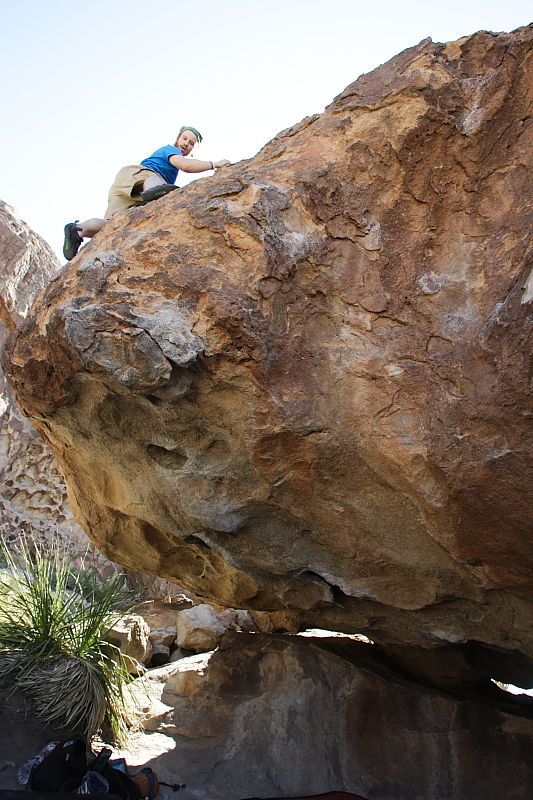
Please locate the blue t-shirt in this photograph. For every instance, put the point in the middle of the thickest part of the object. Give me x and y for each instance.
(158, 162)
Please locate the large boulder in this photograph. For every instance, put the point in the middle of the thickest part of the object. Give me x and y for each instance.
(27, 265)
(302, 383)
(282, 717)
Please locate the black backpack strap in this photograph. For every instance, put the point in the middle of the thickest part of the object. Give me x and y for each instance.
(99, 763)
(174, 786)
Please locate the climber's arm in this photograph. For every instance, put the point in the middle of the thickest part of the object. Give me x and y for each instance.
(195, 164)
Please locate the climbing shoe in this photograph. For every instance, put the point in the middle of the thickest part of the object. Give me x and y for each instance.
(72, 241)
(157, 191)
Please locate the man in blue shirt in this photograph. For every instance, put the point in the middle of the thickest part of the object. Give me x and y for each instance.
(139, 183)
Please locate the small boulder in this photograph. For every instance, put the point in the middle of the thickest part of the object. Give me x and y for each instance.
(163, 636)
(159, 614)
(200, 629)
(155, 694)
(236, 619)
(131, 634)
(276, 621)
(186, 677)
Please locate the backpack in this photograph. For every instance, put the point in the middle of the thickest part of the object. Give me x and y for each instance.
(64, 767)
(59, 766)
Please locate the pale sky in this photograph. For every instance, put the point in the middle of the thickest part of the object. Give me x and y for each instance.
(90, 87)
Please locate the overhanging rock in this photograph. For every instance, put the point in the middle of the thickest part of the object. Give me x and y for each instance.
(302, 383)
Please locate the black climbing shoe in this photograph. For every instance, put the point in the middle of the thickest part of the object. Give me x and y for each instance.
(157, 191)
(72, 241)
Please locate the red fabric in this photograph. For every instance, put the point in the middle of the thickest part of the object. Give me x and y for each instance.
(327, 796)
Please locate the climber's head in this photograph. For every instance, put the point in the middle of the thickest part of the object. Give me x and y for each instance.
(187, 138)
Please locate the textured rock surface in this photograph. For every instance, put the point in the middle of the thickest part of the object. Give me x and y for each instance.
(28, 264)
(301, 384)
(199, 629)
(33, 495)
(32, 490)
(132, 634)
(262, 718)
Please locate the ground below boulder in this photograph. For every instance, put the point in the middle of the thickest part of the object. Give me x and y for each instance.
(284, 716)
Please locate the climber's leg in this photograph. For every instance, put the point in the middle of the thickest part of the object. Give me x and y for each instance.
(153, 180)
(128, 186)
(90, 227)
(76, 232)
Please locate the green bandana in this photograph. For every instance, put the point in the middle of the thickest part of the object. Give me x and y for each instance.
(198, 135)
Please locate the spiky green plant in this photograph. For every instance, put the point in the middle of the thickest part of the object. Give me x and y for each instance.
(53, 621)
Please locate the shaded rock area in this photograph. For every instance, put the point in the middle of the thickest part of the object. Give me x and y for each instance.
(131, 634)
(284, 716)
(301, 384)
(271, 716)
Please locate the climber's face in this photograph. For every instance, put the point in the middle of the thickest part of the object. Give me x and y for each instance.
(186, 142)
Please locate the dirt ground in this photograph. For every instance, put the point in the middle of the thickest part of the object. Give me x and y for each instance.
(22, 736)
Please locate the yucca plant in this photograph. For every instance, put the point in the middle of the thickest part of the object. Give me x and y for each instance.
(53, 621)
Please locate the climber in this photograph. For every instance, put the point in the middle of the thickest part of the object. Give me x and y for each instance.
(138, 184)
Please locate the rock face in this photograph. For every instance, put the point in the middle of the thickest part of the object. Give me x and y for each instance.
(27, 266)
(262, 718)
(278, 716)
(33, 495)
(301, 384)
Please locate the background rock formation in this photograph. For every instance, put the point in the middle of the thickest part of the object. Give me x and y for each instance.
(302, 383)
(33, 495)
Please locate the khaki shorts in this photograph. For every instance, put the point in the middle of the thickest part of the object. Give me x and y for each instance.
(126, 189)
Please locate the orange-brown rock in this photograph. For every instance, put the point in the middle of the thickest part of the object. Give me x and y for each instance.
(302, 383)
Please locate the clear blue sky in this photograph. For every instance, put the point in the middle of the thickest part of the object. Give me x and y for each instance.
(90, 87)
